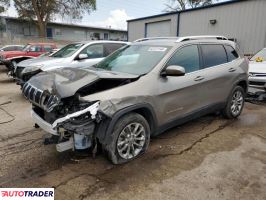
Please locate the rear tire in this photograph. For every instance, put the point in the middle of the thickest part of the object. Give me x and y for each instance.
(130, 139)
(235, 103)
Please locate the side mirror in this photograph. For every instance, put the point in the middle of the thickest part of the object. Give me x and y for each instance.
(174, 70)
(82, 56)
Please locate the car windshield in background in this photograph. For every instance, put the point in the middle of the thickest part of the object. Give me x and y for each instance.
(26, 48)
(260, 54)
(67, 51)
(134, 59)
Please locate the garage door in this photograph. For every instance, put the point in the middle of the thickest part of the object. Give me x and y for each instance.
(158, 29)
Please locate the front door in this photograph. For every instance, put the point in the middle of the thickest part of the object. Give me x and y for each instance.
(182, 95)
(94, 52)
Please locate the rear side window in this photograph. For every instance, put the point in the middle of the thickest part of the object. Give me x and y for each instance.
(111, 47)
(213, 54)
(35, 48)
(94, 51)
(48, 48)
(187, 57)
(231, 53)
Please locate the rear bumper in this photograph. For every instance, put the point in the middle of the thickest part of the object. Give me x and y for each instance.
(43, 124)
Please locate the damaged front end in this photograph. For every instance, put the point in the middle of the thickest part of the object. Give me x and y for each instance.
(59, 106)
(71, 120)
(75, 130)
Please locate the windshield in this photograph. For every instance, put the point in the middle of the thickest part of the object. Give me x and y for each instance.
(67, 51)
(134, 59)
(260, 55)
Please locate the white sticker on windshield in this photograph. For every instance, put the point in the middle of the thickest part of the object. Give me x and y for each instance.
(157, 49)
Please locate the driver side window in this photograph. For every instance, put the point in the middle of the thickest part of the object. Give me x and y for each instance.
(187, 57)
(94, 51)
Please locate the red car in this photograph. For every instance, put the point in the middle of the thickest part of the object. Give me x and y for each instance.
(31, 50)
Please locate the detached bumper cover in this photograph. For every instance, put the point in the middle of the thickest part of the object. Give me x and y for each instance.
(52, 128)
(43, 124)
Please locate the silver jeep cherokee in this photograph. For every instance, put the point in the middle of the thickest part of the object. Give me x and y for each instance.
(139, 91)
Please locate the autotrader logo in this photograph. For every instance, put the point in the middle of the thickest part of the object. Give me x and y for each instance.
(27, 193)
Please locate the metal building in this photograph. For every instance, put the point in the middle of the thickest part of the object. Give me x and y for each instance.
(241, 20)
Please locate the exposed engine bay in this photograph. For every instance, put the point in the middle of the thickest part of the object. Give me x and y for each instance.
(58, 107)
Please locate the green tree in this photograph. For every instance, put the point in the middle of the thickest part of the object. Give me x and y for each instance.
(42, 11)
(176, 5)
(4, 4)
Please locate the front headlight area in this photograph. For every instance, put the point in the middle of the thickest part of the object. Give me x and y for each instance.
(31, 69)
(29, 72)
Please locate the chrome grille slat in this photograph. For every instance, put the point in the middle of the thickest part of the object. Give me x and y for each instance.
(34, 95)
(40, 98)
(24, 87)
(27, 91)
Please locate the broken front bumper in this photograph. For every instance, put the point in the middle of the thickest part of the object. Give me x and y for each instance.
(43, 124)
(73, 135)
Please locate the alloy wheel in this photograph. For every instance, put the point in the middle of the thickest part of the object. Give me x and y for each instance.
(131, 140)
(237, 103)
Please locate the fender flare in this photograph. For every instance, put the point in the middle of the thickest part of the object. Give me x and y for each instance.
(105, 128)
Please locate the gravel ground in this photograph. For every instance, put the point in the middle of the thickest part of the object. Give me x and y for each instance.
(208, 158)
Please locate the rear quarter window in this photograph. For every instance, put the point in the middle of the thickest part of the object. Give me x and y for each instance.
(48, 48)
(213, 54)
(231, 53)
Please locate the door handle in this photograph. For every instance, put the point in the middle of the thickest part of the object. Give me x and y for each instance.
(199, 78)
(232, 70)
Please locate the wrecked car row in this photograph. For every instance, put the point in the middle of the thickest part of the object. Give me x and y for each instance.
(79, 54)
(138, 92)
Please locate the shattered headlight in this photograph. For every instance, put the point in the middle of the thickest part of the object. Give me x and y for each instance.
(31, 69)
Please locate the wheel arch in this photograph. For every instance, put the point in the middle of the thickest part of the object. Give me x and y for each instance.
(243, 84)
(104, 132)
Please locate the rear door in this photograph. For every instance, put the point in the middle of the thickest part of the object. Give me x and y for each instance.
(218, 74)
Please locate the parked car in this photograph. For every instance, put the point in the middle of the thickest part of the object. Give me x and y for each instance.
(31, 50)
(257, 70)
(79, 54)
(139, 91)
(12, 48)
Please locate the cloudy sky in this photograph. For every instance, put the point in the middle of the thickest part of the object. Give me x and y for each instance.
(115, 13)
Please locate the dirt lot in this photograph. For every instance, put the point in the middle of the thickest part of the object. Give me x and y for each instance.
(209, 158)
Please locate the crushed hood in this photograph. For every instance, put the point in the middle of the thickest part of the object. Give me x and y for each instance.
(67, 81)
(41, 62)
(257, 67)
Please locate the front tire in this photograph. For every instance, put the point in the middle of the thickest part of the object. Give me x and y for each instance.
(235, 103)
(130, 138)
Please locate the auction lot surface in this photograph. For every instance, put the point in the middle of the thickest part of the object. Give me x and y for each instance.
(209, 158)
